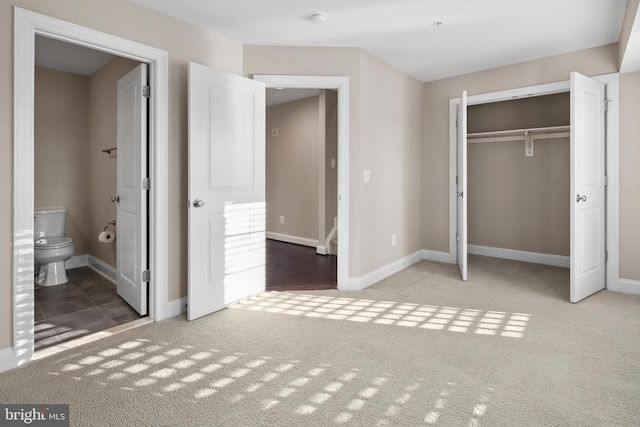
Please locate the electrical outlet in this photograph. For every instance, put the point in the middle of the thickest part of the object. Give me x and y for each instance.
(274, 132)
(367, 175)
(333, 163)
(281, 219)
(394, 240)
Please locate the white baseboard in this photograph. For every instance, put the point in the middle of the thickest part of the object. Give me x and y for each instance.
(292, 239)
(7, 359)
(359, 283)
(105, 270)
(176, 307)
(436, 256)
(77, 261)
(533, 257)
(321, 250)
(629, 286)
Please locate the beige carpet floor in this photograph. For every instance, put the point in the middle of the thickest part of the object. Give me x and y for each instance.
(420, 348)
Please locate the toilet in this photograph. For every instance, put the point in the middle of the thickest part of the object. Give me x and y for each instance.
(51, 247)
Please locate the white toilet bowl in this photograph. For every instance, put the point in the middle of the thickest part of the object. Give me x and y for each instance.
(51, 253)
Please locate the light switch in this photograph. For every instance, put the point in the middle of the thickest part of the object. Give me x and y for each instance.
(367, 175)
(333, 163)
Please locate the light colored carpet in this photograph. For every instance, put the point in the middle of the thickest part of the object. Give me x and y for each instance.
(420, 348)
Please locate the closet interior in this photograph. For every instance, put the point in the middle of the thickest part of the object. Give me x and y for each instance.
(519, 176)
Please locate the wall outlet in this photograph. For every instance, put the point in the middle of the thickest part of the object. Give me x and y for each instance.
(281, 219)
(274, 132)
(366, 175)
(394, 240)
(333, 163)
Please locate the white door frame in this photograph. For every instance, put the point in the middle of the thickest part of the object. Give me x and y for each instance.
(27, 25)
(341, 84)
(612, 154)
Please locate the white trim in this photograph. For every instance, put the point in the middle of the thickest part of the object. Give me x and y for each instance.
(7, 359)
(26, 25)
(437, 256)
(516, 255)
(453, 186)
(291, 239)
(341, 84)
(102, 268)
(321, 250)
(76, 261)
(613, 188)
(521, 92)
(629, 286)
(176, 307)
(359, 283)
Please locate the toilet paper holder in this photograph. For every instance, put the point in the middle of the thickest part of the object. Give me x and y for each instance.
(113, 222)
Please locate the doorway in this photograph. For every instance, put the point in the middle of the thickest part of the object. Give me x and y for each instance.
(341, 85)
(301, 189)
(26, 26)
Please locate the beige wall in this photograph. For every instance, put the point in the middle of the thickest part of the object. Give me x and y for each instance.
(518, 202)
(103, 105)
(385, 106)
(184, 43)
(292, 168)
(627, 24)
(629, 176)
(61, 141)
(435, 154)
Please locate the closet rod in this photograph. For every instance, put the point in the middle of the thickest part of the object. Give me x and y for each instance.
(520, 132)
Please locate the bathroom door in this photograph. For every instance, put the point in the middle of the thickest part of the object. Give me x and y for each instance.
(227, 212)
(131, 240)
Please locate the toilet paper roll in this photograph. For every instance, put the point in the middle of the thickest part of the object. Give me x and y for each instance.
(106, 237)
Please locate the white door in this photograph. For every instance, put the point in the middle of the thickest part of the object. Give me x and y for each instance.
(461, 180)
(131, 240)
(587, 187)
(227, 214)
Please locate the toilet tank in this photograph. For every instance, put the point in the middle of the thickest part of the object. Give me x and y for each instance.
(49, 223)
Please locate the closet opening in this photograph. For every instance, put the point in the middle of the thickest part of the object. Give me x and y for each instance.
(519, 179)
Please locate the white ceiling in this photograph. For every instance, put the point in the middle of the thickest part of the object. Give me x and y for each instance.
(475, 35)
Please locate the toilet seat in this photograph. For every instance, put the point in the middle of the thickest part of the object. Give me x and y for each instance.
(53, 243)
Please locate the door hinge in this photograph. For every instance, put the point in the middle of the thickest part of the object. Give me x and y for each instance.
(146, 183)
(146, 91)
(606, 180)
(606, 256)
(146, 276)
(606, 104)
(456, 180)
(457, 237)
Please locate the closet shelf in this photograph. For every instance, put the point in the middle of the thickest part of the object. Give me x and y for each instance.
(520, 132)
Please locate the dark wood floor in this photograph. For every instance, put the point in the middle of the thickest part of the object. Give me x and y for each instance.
(294, 267)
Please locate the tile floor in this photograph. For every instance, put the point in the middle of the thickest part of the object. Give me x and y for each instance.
(86, 304)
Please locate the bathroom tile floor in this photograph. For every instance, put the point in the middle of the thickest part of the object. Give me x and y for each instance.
(86, 304)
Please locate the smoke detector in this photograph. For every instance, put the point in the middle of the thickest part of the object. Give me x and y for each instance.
(318, 18)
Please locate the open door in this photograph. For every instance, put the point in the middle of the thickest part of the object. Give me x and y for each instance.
(227, 212)
(461, 180)
(587, 186)
(132, 196)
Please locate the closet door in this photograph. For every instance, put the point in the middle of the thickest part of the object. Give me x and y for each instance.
(587, 187)
(461, 178)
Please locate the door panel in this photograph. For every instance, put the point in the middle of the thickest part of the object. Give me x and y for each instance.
(462, 185)
(132, 205)
(227, 214)
(587, 187)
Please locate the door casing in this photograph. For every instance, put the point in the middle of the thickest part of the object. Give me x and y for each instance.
(27, 25)
(612, 163)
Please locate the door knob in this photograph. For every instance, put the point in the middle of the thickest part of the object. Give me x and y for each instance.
(115, 199)
(581, 198)
(197, 203)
